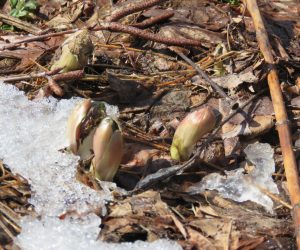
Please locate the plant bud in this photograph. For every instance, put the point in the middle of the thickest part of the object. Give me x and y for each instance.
(190, 130)
(74, 52)
(74, 124)
(108, 147)
(81, 127)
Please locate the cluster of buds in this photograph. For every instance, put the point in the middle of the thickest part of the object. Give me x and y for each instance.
(93, 134)
(190, 130)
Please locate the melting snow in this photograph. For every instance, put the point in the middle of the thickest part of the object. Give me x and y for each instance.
(31, 133)
(239, 186)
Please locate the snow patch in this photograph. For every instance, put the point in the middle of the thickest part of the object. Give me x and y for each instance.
(31, 133)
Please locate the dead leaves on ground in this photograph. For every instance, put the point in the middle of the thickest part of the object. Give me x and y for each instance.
(221, 224)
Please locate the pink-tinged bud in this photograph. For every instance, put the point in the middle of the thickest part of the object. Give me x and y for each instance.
(108, 147)
(74, 124)
(194, 126)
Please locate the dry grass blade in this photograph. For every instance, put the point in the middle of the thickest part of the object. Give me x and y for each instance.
(21, 24)
(203, 75)
(5, 210)
(289, 160)
(14, 195)
(6, 229)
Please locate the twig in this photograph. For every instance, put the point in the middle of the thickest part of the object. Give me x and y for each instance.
(153, 20)
(203, 74)
(117, 27)
(36, 38)
(245, 104)
(284, 133)
(53, 86)
(132, 8)
(149, 143)
(272, 196)
(226, 243)
(29, 76)
(164, 174)
(56, 77)
(118, 46)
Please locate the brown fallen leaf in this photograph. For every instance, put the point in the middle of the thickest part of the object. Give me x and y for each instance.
(232, 81)
(179, 225)
(248, 244)
(140, 217)
(199, 241)
(28, 55)
(258, 125)
(208, 210)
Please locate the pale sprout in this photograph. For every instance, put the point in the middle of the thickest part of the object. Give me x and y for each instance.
(190, 130)
(90, 133)
(107, 146)
(74, 52)
(74, 124)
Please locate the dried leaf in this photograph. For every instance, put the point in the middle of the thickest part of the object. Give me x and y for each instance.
(199, 241)
(234, 80)
(208, 210)
(179, 225)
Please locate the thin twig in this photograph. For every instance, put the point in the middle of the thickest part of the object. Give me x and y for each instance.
(245, 104)
(117, 27)
(132, 8)
(273, 196)
(29, 76)
(36, 38)
(203, 74)
(290, 164)
(56, 76)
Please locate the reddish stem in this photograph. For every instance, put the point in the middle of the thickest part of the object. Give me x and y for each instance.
(132, 8)
(117, 27)
(153, 20)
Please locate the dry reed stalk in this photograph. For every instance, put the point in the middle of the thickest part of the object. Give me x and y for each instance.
(284, 133)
